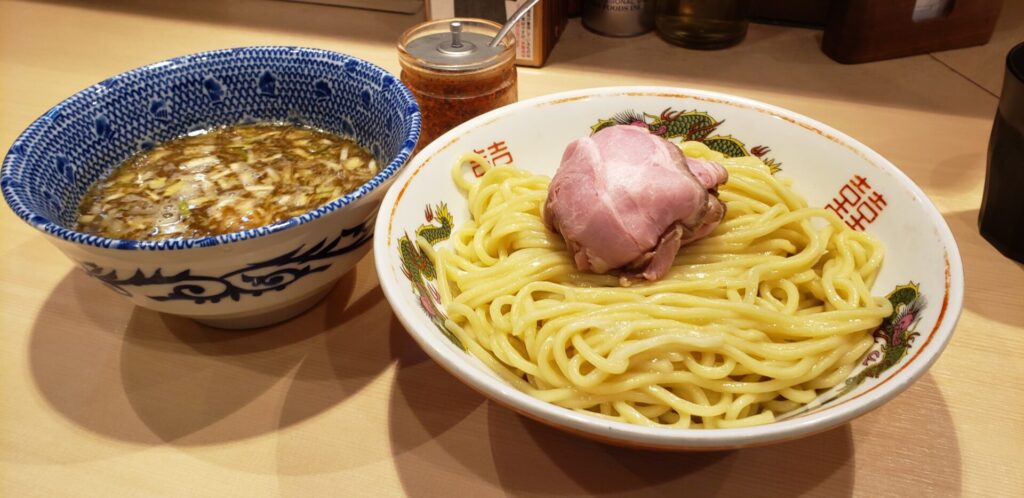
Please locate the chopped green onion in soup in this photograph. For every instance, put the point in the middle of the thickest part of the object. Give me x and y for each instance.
(222, 181)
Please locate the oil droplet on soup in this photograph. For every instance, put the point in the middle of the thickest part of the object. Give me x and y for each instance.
(224, 180)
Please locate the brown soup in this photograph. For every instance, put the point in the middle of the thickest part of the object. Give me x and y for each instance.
(224, 180)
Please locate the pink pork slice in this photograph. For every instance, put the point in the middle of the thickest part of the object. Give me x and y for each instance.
(626, 199)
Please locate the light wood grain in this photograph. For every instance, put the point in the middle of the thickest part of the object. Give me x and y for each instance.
(984, 65)
(103, 399)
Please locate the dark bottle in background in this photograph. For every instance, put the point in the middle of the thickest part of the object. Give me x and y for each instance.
(702, 24)
(492, 10)
(619, 18)
(1001, 219)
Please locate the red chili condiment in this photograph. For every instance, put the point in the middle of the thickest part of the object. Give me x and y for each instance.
(454, 74)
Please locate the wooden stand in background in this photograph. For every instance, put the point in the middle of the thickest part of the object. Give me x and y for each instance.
(871, 30)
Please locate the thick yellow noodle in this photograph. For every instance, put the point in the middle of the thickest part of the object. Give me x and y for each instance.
(752, 321)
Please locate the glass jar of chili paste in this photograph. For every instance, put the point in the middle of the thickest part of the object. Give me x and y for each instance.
(454, 73)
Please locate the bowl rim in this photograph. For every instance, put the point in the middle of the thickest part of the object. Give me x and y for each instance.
(14, 159)
(494, 388)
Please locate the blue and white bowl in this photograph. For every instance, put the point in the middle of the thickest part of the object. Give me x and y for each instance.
(238, 280)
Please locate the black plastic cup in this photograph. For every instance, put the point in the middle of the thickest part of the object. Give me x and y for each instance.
(1001, 219)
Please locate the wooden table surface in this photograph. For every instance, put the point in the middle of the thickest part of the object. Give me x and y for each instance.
(99, 398)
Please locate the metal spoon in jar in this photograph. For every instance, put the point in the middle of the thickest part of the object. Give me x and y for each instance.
(516, 16)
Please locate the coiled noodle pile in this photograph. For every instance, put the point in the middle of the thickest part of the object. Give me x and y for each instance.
(751, 322)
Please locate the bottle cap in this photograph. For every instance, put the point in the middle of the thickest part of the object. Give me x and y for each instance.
(455, 44)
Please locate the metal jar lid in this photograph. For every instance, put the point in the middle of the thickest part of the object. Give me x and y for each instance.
(456, 44)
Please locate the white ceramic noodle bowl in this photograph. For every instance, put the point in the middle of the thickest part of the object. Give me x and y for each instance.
(922, 272)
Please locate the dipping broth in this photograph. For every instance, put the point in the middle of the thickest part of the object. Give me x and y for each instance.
(224, 180)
